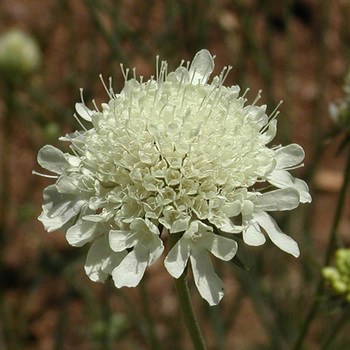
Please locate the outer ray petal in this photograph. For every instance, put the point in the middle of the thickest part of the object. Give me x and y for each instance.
(83, 232)
(177, 258)
(289, 156)
(101, 259)
(58, 208)
(280, 239)
(222, 247)
(120, 240)
(283, 179)
(282, 199)
(52, 159)
(131, 270)
(253, 235)
(155, 250)
(209, 285)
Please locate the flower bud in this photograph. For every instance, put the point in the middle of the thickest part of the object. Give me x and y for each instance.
(339, 277)
(19, 54)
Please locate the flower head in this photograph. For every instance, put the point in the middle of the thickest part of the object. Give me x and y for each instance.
(173, 152)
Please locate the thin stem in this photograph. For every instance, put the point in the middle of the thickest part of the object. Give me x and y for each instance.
(330, 249)
(186, 305)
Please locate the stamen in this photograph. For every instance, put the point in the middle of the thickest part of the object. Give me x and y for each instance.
(257, 98)
(193, 74)
(245, 92)
(111, 87)
(80, 123)
(157, 67)
(183, 96)
(275, 111)
(228, 70)
(44, 175)
(105, 87)
(81, 96)
(181, 81)
(294, 167)
(123, 71)
(95, 105)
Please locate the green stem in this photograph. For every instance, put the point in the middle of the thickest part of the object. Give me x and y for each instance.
(186, 305)
(330, 249)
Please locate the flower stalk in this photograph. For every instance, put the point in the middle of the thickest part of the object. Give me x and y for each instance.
(186, 305)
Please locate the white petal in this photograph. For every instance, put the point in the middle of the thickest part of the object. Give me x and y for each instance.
(270, 133)
(151, 227)
(58, 208)
(232, 209)
(303, 190)
(224, 224)
(176, 260)
(83, 111)
(280, 239)
(98, 258)
(52, 159)
(209, 285)
(155, 249)
(120, 240)
(283, 199)
(253, 235)
(144, 225)
(182, 75)
(114, 260)
(131, 270)
(289, 156)
(83, 232)
(283, 179)
(180, 225)
(222, 247)
(66, 184)
(201, 68)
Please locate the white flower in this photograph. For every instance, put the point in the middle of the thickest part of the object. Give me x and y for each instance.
(195, 244)
(174, 152)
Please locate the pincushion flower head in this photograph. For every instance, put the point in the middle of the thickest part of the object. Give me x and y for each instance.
(175, 154)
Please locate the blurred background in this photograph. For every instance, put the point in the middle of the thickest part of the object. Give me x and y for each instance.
(297, 51)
